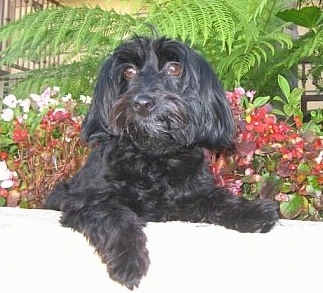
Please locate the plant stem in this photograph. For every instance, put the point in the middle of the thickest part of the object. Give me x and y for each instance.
(270, 13)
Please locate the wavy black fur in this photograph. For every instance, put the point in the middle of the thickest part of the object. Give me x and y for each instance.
(157, 104)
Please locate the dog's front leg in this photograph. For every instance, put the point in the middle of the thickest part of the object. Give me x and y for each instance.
(223, 208)
(117, 234)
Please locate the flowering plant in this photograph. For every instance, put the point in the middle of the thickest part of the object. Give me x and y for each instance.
(39, 145)
(277, 155)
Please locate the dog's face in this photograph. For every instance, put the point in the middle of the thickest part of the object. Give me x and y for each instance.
(160, 94)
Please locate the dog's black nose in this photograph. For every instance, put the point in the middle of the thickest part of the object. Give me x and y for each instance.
(143, 105)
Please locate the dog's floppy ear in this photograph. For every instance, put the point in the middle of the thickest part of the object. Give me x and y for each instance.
(95, 124)
(215, 123)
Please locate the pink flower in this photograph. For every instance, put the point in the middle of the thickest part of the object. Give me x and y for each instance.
(250, 95)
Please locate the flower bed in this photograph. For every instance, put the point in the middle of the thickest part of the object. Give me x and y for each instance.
(39, 145)
(277, 156)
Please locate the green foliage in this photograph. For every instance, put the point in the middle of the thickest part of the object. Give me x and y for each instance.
(310, 45)
(256, 103)
(291, 102)
(77, 77)
(310, 17)
(63, 31)
(195, 21)
(243, 39)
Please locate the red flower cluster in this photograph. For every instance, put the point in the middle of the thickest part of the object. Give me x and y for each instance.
(275, 158)
(20, 134)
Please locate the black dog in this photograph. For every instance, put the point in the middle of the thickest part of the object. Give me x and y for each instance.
(157, 104)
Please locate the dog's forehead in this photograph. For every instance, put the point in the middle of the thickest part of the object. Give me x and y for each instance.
(140, 50)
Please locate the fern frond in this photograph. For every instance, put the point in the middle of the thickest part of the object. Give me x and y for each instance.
(190, 20)
(241, 66)
(203, 19)
(62, 30)
(76, 78)
(256, 9)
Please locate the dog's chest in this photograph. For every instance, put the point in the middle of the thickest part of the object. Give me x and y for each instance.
(156, 174)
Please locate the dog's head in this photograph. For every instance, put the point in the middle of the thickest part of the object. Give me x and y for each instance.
(159, 93)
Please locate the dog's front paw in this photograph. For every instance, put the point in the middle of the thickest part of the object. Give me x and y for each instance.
(127, 264)
(258, 216)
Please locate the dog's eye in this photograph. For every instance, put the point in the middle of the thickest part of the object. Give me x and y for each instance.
(173, 69)
(130, 72)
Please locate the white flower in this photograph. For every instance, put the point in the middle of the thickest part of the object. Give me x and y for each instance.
(6, 176)
(22, 118)
(319, 159)
(3, 171)
(7, 114)
(60, 110)
(85, 99)
(25, 104)
(55, 90)
(42, 100)
(53, 102)
(10, 101)
(67, 98)
(6, 184)
(35, 97)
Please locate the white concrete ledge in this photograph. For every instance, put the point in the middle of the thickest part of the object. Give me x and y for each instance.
(37, 255)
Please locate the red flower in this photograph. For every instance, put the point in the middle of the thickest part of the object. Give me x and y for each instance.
(58, 115)
(3, 192)
(3, 156)
(19, 134)
(298, 121)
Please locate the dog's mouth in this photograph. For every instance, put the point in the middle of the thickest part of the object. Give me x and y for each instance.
(151, 122)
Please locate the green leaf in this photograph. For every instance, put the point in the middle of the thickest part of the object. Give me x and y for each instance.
(312, 180)
(312, 191)
(309, 17)
(288, 110)
(304, 169)
(6, 142)
(284, 86)
(278, 112)
(2, 201)
(24, 203)
(295, 97)
(286, 188)
(260, 101)
(279, 99)
(292, 208)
